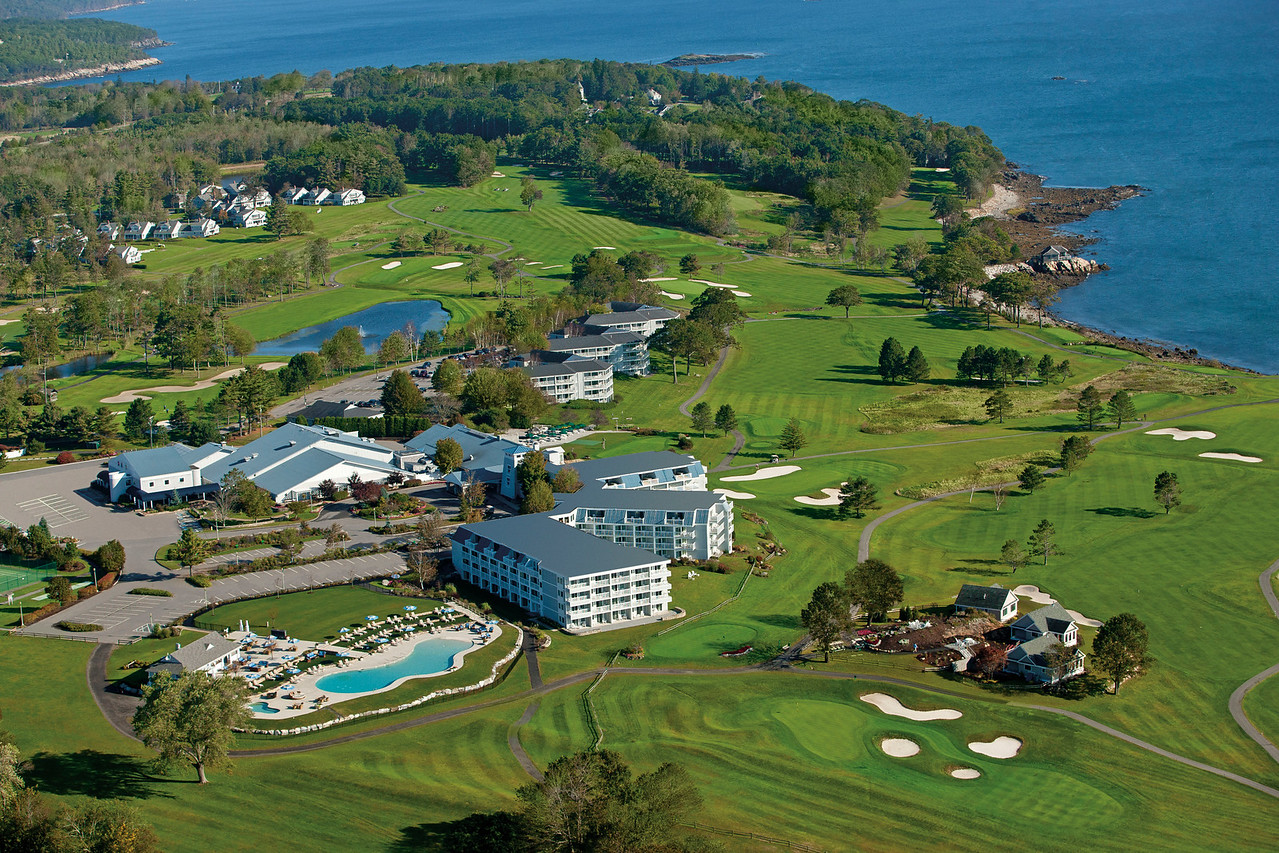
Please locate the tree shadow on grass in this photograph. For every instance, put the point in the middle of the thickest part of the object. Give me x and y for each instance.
(816, 513)
(1123, 511)
(984, 568)
(478, 832)
(96, 774)
(781, 620)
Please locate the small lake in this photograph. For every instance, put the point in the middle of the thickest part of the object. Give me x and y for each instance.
(74, 367)
(427, 658)
(374, 323)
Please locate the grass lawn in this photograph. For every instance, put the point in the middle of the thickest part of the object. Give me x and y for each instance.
(314, 615)
(812, 743)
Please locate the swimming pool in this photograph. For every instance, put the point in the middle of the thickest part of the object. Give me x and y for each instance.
(427, 658)
(263, 708)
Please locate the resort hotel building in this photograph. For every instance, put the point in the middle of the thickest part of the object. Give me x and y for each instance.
(600, 558)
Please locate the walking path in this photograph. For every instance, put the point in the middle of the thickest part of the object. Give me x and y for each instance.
(117, 708)
(1236, 698)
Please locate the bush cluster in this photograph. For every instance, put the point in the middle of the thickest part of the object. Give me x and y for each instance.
(77, 627)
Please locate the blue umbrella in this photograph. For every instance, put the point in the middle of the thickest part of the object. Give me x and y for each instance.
(371, 618)
(410, 607)
(343, 630)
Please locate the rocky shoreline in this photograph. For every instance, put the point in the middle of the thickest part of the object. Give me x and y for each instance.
(1030, 213)
(690, 59)
(92, 71)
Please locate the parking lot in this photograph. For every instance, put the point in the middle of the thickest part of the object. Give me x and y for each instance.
(356, 389)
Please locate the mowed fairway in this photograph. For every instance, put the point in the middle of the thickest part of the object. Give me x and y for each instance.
(798, 758)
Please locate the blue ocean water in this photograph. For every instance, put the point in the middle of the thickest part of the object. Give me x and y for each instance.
(1176, 95)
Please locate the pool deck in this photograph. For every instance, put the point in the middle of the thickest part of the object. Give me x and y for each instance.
(306, 694)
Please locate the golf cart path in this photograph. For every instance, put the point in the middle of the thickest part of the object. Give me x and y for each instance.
(117, 708)
(578, 678)
(739, 440)
(1236, 698)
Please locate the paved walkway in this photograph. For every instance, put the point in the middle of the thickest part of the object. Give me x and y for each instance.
(118, 708)
(125, 617)
(1236, 698)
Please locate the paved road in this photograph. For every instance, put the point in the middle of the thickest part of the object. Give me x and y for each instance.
(1236, 698)
(126, 617)
(116, 707)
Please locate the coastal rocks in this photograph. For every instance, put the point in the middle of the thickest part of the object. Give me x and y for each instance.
(1069, 266)
(78, 73)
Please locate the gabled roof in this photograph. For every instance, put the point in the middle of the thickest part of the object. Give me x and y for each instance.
(596, 471)
(568, 367)
(289, 441)
(974, 597)
(307, 465)
(479, 449)
(630, 312)
(157, 461)
(559, 548)
(580, 342)
(1052, 619)
(1033, 651)
(203, 651)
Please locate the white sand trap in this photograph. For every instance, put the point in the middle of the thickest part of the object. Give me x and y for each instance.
(553, 267)
(664, 278)
(890, 705)
(709, 283)
(1233, 457)
(737, 496)
(1000, 747)
(1183, 434)
(741, 293)
(533, 263)
(7, 322)
(607, 248)
(498, 175)
(451, 265)
(965, 773)
(1033, 593)
(763, 474)
(941, 170)
(670, 295)
(392, 265)
(141, 393)
(899, 747)
(831, 499)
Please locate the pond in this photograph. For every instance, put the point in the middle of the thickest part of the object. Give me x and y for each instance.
(74, 367)
(374, 323)
(427, 658)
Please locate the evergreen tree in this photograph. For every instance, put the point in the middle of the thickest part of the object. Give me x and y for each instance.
(1090, 406)
(916, 367)
(1167, 491)
(400, 396)
(702, 417)
(531, 471)
(999, 405)
(1012, 555)
(1121, 408)
(277, 218)
(180, 421)
(1042, 540)
(892, 360)
(1031, 478)
(725, 419)
(1074, 450)
(855, 497)
(137, 419)
(793, 438)
(689, 264)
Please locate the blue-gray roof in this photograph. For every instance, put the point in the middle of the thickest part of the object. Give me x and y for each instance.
(1033, 651)
(676, 500)
(972, 597)
(626, 470)
(1052, 619)
(479, 449)
(290, 440)
(558, 548)
(568, 367)
(166, 460)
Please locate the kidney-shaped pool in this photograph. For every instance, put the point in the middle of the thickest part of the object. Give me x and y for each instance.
(429, 657)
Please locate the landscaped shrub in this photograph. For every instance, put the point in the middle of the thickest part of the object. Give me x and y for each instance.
(77, 627)
(64, 457)
(200, 580)
(412, 483)
(146, 590)
(165, 632)
(108, 580)
(109, 556)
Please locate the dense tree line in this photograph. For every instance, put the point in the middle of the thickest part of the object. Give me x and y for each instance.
(32, 48)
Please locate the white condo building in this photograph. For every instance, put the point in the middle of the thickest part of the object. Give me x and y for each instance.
(676, 524)
(561, 574)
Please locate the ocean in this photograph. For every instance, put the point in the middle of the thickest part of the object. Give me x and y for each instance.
(1175, 95)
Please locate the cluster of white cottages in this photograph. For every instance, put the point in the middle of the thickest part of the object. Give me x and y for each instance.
(599, 560)
(239, 205)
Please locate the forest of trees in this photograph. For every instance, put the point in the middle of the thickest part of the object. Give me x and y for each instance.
(31, 48)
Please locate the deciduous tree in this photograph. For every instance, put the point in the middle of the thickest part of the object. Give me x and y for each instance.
(826, 617)
(529, 193)
(400, 396)
(190, 719)
(1012, 555)
(845, 296)
(190, 550)
(448, 455)
(1120, 648)
(448, 378)
(874, 586)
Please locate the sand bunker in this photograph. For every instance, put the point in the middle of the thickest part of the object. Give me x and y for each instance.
(899, 747)
(709, 283)
(1038, 596)
(451, 265)
(965, 773)
(831, 499)
(392, 265)
(498, 175)
(607, 248)
(741, 293)
(1233, 457)
(553, 267)
(664, 278)
(669, 295)
(1000, 747)
(763, 474)
(141, 393)
(737, 496)
(890, 705)
(533, 263)
(1183, 434)
(7, 322)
